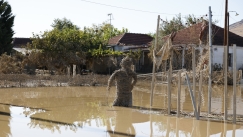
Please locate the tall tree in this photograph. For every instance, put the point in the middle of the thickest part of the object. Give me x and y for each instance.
(64, 23)
(6, 24)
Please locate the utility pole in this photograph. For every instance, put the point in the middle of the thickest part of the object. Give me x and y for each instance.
(225, 22)
(226, 52)
(110, 14)
(210, 62)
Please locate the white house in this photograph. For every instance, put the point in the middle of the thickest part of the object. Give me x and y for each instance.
(197, 36)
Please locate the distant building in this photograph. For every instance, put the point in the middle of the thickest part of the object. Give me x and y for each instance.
(19, 44)
(134, 42)
(197, 36)
(237, 28)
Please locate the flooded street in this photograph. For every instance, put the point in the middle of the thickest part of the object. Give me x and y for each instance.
(87, 111)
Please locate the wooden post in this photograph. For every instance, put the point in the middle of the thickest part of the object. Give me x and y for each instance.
(225, 82)
(169, 83)
(194, 74)
(74, 70)
(179, 94)
(192, 98)
(183, 57)
(68, 70)
(194, 70)
(234, 83)
(200, 93)
(240, 75)
(154, 61)
(210, 62)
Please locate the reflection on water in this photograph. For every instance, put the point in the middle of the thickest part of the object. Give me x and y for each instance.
(84, 111)
(160, 98)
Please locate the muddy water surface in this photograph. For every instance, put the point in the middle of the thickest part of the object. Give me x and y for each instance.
(86, 111)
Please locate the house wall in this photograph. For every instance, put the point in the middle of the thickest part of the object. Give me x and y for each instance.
(218, 55)
(123, 48)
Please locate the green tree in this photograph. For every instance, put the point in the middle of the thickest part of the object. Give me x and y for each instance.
(68, 45)
(167, 27)
(64, 23)
(6, 24)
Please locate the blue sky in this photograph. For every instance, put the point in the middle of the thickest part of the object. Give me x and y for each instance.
(139, 16)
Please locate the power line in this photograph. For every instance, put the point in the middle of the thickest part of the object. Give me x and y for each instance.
(152, 12)
(126, 8)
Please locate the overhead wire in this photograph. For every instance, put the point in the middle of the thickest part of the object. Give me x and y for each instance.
(152, 12)
(126, 8)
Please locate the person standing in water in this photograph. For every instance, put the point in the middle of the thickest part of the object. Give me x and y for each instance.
(125, 80)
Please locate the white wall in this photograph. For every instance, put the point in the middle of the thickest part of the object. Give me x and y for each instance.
(123, 48)
(218, 55)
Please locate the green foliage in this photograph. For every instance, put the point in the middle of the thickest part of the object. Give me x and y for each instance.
(6, 24)
(66, 44)
(134, 54)
(177, 23)
(64, 23)
(167, 27)
(100, 52)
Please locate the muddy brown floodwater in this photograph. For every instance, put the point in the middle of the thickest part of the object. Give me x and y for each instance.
(86, 111)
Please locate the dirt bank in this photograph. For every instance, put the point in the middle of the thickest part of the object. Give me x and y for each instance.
(22, 80)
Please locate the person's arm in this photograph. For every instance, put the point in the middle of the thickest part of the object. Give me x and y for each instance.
(110, 80)
(134, 76)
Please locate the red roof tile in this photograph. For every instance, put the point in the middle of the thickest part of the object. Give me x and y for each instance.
(130, 39)
(199, 31)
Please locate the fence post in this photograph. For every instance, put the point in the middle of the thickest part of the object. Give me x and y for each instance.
(169, 83)
(74, 70)
(194, 70)
(240, 75)
(68, 70)
(225, 82)
(200, 93)
(234, 83)
(154, 61)
(192, 97)
(210, 62)
(179, 94)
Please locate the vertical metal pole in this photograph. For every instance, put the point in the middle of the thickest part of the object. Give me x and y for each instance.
(169, 83)
(234, 84)
(210, 62)
(154, 61)
(179, 94)
(225, 82)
